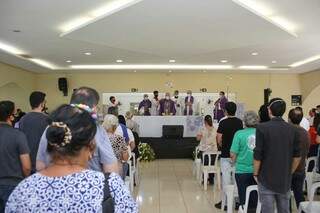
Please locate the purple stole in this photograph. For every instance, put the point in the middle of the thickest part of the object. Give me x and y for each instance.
(188, 110)
(167, 107)
(219, 108)
(146, 104)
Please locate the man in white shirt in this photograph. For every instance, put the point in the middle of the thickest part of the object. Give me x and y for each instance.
(304, 122)
(155, 104)
(178, 102)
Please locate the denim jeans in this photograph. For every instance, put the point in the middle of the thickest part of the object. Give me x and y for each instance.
(5, 192)
(297, 187)
(268, 198)
(243, 181)
(226, 169)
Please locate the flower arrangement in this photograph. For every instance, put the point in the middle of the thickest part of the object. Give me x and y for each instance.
(146, 152)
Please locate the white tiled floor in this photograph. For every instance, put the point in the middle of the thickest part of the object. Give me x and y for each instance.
(167, 186)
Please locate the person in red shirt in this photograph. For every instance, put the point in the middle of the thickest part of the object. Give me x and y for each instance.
(313, 135)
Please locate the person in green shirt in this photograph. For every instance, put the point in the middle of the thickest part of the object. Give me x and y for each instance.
(241, 153)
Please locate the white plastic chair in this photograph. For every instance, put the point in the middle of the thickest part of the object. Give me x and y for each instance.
(205, 170)
(137, 173)
(229, 192)
(250, 189)
(310, 176)
(311, 206)
(132, 171)
(228, 196)
(196, 163)
(309, 160)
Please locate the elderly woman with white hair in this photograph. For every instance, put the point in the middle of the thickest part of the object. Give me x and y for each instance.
(118, 143)
(241, 153)
(131, 124)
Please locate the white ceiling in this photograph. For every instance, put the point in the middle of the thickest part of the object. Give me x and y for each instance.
(154, 31)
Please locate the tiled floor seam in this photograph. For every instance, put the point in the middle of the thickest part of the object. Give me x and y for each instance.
(180, 189)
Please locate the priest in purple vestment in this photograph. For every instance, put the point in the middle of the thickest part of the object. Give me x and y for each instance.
(219, 106)
(167, 106)
(145, 106)
(189, 100)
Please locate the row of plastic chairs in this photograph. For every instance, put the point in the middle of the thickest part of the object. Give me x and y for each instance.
(312, 183)
(309, 206)
(202, 171)
(133, 172)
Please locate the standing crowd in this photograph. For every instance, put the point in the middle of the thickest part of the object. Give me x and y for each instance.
(263, 149)
(65, 162)
(68, 162)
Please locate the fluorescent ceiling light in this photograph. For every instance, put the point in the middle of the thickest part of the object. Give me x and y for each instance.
(268, 14)
(253, 67)
(305, 61)
(75, 24)
(15, 51)
(255, 7)
(88, 53)
(172, 61)
(119, 61)
(68, 61)
(224, 61)
(284, 23)
(10, 49)
(278, 68)
(43, 63)
(153, 67)
(254, 53)
(95, 15)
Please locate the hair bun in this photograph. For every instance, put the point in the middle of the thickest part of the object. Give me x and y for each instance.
(55, 135)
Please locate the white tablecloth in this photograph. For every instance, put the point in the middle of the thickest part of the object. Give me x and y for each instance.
(151, 126)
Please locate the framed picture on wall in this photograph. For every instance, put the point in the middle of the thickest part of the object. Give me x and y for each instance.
(296, 100)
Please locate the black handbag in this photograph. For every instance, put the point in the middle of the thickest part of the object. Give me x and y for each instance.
(107, 202)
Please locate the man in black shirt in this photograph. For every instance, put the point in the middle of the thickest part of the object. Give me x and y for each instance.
(226, 130)
(298, 177)
(34, 123)
(14, 153)
(276, 157)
